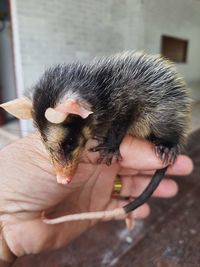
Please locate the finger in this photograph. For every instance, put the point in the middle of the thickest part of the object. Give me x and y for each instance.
(139, 154)
(140, 213)
(127, 172)
(182, 166)
(136, 185)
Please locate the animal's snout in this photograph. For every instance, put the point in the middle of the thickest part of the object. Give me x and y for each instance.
(64, 173)
(62, 179)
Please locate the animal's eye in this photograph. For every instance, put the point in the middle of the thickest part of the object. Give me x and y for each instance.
(67, 146)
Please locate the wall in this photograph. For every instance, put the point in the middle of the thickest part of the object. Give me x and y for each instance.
(52, 31)
(60, 31)
(179, 18)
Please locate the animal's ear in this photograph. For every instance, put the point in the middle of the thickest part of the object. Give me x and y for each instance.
(74, 106)
(21, 108)
(69, 106)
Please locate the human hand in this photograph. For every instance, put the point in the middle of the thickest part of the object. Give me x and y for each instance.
(28, 186)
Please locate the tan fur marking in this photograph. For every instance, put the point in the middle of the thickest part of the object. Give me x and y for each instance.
(87, 132)
(69, 169)
(55, 135)
(141, 128)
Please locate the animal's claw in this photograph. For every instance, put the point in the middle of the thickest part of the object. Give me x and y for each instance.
(173, 155)
(97, 148)
(166, 154)
(98, 138)
(107, 155)
(111, 157)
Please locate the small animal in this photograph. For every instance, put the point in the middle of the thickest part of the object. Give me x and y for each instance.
(105, 99)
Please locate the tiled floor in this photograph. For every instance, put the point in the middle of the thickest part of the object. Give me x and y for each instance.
(11, 131)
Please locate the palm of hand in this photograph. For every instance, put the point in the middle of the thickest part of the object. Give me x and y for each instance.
(28, 187)
(35, 190)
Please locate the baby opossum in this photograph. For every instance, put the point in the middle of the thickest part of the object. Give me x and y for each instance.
(105, 99)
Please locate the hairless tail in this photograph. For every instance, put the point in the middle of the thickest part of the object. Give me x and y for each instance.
(156, 179)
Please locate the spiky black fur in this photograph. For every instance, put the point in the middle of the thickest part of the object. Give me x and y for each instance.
(128, 93)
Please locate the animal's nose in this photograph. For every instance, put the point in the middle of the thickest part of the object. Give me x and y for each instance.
(63, 179)
(64, 174)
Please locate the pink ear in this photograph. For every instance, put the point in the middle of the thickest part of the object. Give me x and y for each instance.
(74, 106)
(20, 108)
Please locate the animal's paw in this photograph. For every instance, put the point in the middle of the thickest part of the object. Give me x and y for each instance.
(107, 155)
(166, 154)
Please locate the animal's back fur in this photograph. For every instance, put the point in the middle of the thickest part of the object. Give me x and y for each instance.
(145, 92)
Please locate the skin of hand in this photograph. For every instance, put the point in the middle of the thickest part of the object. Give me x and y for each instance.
(28, 187)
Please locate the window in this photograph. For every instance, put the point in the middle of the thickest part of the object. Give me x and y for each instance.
(174, 49)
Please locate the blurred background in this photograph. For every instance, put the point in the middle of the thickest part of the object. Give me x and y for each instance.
(35, 34)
